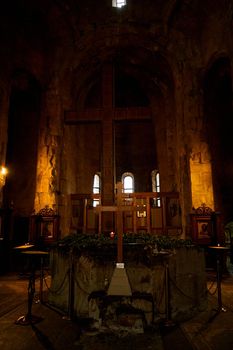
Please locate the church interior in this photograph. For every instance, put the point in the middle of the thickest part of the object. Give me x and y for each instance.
(150, 83)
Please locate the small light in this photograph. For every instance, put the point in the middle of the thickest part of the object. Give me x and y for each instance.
(3, 173)
(3, 170)
(112, 234)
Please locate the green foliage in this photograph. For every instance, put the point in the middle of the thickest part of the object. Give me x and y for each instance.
(81, 242)
(228, 229)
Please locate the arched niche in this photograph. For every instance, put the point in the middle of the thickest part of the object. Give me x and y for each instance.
(21, 155)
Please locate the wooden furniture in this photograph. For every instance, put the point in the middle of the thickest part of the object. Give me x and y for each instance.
(44, 227)
(206, 226)
(141, 214)
(29, 318)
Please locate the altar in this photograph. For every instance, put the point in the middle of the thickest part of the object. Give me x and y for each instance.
(80, 282)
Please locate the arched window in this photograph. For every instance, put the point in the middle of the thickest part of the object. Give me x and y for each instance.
(96, 188)
(118, 3)
(155, 180)
(128, 182)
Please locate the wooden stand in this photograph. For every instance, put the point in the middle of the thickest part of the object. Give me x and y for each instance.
(206, 226)
(28, 319)
(219, 250)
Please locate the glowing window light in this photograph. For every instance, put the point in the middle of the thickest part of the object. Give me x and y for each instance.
(96, 189)
(128, 183)
(155, 178)
(118, 3)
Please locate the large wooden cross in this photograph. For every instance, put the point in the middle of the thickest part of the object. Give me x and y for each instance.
(107, 115)
(119, 284)
(118, 209)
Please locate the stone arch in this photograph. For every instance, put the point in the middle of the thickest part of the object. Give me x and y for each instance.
(23, 133)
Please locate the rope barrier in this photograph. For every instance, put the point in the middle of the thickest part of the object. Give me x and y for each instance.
(188, 296)
(158, 300)
(157, 304)
(211, 286)
(60, 287)
(80, 287)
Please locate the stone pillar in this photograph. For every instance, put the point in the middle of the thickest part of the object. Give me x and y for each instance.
(201, 176)
(49, 152)
(4, 107)
(189, 127)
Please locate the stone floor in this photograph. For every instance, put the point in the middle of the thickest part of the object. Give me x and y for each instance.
(56, 330)
(210, 329)
(213, 328)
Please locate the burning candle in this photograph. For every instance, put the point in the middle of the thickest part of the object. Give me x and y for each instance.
(112, 234)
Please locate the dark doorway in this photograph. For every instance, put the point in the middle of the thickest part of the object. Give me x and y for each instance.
(21, 158)
(219, 131)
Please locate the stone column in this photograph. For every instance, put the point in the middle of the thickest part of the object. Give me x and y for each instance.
(4, 107)
(188, 129)
(49, 152)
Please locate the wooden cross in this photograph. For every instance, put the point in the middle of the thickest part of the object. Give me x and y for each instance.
(119, 284)
(118, 209)
(107, 115)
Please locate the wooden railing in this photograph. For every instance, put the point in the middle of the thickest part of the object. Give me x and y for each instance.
(144, 212)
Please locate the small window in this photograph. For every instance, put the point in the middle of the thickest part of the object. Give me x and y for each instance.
(155, 179)
(118, 3)
(96, 189)
(128, 183)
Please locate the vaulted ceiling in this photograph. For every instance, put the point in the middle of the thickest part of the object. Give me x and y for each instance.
(85, 34)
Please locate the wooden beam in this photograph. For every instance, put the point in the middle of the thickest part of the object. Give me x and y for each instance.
(106, 115)
(85, 116)
(132, 113)
(91, 115)
(119, 190)
(121, 208)
(100, 208)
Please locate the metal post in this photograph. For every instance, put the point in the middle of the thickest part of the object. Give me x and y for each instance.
(219, 277)
(41, 278)
(71, 287)
(168, 322)
(219, 250)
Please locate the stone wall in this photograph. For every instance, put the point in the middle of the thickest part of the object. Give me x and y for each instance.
(166, 46)
(146, 276)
